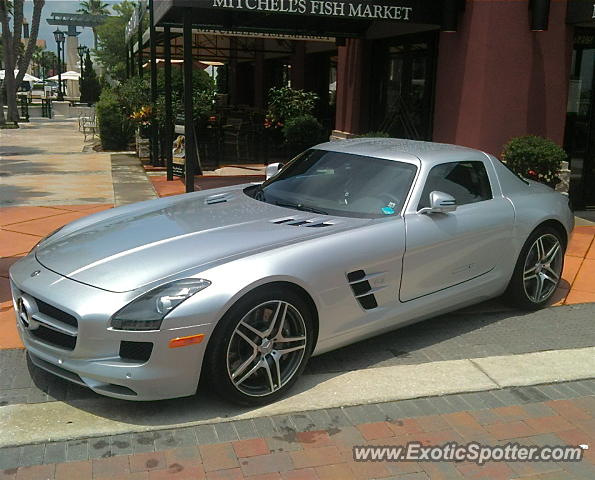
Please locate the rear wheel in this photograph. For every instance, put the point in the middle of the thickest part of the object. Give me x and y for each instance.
(538, 269)
(261, 347)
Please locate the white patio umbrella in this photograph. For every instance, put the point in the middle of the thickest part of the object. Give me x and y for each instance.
(70, 75)
(26, 78)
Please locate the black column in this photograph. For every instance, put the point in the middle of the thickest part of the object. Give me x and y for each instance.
(139, 38)
(190, 140)
(153, 48)
(168, 107)
(131, 50)
(127, 62)
(232, 71)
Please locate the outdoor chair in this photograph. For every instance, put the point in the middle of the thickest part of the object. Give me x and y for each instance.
(88, 126)
(233, 134)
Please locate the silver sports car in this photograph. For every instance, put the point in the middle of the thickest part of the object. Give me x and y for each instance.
(242, 285)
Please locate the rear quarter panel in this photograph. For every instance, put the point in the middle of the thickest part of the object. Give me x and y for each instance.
(533, 204)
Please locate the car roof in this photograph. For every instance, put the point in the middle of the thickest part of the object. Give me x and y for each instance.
(411, 151)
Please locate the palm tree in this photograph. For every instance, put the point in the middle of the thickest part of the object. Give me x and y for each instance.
(94, 7)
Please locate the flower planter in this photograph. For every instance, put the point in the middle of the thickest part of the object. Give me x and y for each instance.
(143, 146)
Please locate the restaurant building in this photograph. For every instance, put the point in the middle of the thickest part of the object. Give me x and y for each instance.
(474, 73)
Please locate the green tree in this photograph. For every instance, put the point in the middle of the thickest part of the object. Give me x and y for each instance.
(94, 7)
(89, 82)
(14, 55)
(111, 48)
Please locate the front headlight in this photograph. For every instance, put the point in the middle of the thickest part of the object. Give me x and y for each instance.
(147, 311)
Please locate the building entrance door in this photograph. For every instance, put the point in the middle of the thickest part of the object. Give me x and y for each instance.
(405, 97)
(579, 140)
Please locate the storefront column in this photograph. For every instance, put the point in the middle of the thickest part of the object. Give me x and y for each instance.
(259, 93)
(350, 89)
(298, 65)
(496, 79)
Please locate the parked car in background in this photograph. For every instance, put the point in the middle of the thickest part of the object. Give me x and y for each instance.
(243, 285)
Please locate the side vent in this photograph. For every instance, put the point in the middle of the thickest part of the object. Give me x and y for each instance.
(302, 223)
(363, 291)
(218, 198)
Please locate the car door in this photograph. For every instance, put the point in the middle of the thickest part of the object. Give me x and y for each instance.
(447, 249)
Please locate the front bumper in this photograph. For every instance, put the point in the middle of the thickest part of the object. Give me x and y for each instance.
(64, 326)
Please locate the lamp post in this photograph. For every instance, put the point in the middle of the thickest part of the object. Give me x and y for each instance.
(59, 37)
(82, 49)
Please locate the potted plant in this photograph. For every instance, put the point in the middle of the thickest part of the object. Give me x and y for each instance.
(143, 119)
(535, 158)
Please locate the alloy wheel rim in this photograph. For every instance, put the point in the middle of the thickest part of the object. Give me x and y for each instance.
(266, 348)
(543, 267)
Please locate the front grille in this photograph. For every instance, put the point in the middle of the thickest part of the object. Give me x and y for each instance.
(56, 313)
(53, 337)
(138, 351)
(52, 325)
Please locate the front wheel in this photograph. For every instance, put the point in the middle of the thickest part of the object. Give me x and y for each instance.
(538, 270)
(261, 347)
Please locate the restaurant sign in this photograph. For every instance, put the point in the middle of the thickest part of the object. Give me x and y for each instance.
(329, 18)
(347, 9)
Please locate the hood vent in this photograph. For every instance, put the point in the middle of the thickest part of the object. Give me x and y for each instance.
(361, 288)
(311, 223)
(218, 198)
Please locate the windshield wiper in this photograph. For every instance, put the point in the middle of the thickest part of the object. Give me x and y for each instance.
(302, 207)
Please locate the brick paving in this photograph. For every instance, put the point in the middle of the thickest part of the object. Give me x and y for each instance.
(318, 444)
(176, 186)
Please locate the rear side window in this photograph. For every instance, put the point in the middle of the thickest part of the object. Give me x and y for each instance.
(467, 182)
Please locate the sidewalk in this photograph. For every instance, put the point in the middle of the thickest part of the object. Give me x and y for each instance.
(318, 445)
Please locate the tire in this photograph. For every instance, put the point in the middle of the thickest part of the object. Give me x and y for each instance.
(250, 359)
(538, 270)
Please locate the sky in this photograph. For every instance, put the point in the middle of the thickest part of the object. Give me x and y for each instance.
(61, 6)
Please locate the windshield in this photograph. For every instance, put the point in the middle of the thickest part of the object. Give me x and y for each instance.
(334, 183)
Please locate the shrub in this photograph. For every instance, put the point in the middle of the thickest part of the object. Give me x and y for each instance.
(534, 157)
(89, 83)
(115, 128)
(134, 94)
(303, 131)
(373, 135)
(286, 103)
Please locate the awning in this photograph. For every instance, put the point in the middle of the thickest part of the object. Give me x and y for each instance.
(347, 18)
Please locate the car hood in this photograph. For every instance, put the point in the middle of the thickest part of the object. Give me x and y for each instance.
(131, 247)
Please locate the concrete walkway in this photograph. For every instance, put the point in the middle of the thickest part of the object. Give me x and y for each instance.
(42, 163)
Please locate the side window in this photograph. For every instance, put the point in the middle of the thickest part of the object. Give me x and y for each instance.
(467, 182)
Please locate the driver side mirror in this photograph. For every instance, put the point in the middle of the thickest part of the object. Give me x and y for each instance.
(440, 202)
(273, 169)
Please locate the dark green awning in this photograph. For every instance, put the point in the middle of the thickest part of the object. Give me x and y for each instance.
(347, 18)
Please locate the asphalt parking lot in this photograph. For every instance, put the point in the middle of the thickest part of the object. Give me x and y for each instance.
(485, 330)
